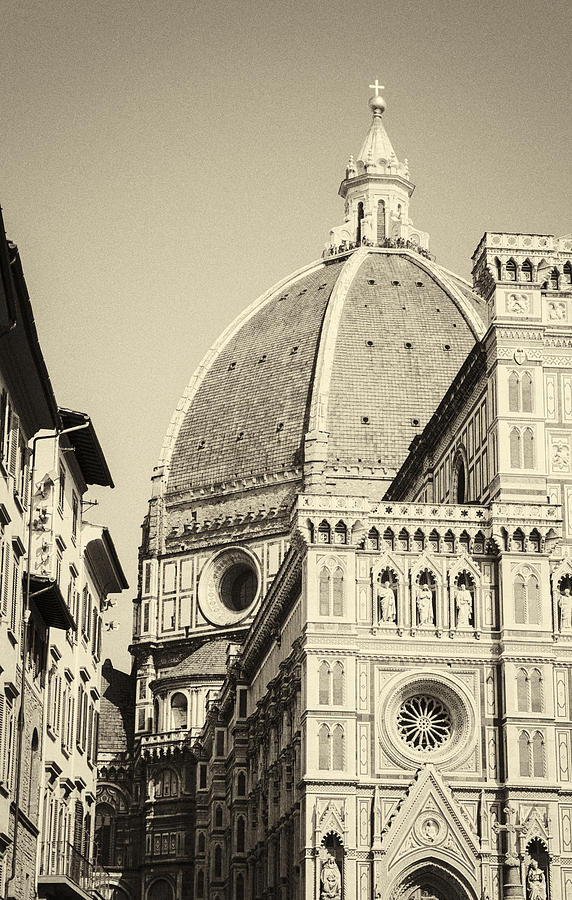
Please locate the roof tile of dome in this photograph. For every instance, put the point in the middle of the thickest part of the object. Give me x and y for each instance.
(285, 366)
(391, 366)
(248, 413)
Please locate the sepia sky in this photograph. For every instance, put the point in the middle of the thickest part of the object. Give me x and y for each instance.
(163, 163)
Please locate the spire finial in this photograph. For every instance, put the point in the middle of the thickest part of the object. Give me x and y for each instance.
(377, 103)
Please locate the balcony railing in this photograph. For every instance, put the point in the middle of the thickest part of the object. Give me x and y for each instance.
(65, 872)
(168, 741)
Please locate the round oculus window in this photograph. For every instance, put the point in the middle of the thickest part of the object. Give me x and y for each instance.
(428, 715)
(229, 586)
(424, 723)
(238, 587)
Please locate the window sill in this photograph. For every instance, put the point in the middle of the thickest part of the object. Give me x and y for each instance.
(11, 636)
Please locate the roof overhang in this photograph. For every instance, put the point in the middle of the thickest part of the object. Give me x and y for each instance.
(23, 363)
(104, 561)
(87, 448)
(50, 603)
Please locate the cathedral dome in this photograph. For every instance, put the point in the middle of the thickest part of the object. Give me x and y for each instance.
(338, 366)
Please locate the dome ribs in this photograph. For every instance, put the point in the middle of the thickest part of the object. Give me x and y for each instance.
(258, 380)
(402, 375)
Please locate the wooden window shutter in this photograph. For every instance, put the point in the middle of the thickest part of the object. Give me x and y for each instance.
(14, 445)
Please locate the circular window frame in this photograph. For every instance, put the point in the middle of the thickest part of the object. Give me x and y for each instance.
(210, 599)
(452, 694)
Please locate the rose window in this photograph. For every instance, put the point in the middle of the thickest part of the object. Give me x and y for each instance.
(424, 723)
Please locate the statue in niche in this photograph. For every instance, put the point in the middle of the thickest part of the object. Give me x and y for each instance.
(535, 882)
(425, 605)
(464, 604)
(331, 880)
(385, 602)
(565, 604)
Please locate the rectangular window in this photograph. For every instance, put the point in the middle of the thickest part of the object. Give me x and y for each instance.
(202, 776)
(22, 486)
(242, 703)
(168, 615)
(169, 577)
(147, 577)
(14, 606)
(186, 576)
(79, 716)
(219, 743)
(62, 489)
(84, 610)
(141, 719)
(145, 618)
(58, 567)
(75, 515)
(142, 688)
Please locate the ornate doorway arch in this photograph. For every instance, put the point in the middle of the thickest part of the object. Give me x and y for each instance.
(432, 880)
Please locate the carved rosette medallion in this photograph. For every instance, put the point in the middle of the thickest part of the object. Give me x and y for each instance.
(426, 717)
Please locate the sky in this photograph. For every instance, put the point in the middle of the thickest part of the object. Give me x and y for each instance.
(163, 163)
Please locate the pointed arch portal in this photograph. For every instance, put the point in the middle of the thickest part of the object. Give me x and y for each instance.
(433, 881)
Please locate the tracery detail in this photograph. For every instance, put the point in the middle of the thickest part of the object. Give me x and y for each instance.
(423, 722)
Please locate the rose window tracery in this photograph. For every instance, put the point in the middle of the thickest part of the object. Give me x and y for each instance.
(424, 723)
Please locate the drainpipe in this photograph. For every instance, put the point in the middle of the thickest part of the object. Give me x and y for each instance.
(55, 435)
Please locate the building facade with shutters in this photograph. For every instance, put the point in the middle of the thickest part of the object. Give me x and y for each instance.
(353, 629)
(56, 570)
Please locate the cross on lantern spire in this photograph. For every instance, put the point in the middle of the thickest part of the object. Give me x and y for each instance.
(377, 87)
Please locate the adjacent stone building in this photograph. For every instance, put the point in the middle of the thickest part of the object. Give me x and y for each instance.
(353, 628)
(56, 571)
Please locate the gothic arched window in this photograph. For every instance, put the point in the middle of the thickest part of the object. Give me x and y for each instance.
(538, 755)
(201, 842)
(527, 393)
(513, 392)
(324, 684)
(522, 690)
(218, 817)
(533, 600)
(166, 784)
(240, 834)
(520, 610)
(498, 266)
(536, 698)
(218, 861)
(324, 747)
(528, 448)
(200, 884)
(515, 449)
(511, 270)
(524, 754)
(338, 593)
(239, 893)
(338, 747)
(325, 592)
(568, 272)
(338, 684)
(373, 539)
(241, 784)
(526, 270)
(340, 533)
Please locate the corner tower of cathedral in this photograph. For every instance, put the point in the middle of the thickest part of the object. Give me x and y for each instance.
(353, 632)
